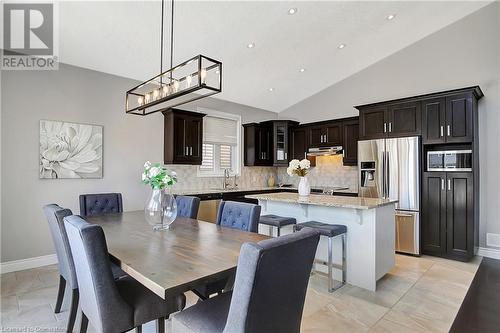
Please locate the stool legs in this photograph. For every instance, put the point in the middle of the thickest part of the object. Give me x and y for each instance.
(330, 264)
(278, 231)
(344, 263)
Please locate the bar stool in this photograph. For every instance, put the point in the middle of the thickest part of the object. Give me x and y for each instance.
(330, 231)
(276, 221)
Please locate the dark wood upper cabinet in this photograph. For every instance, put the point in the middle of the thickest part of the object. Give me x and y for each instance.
(433, 120)
(443, 117)
(326, 134)
(257, 144)
(459, 118)
(298, 143)
(373, 122)
(183, 135)
(350, 141)
(404, 119)
(449, 119)
(460, 215)
(433, 219)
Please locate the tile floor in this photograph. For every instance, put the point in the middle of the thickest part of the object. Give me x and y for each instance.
(418, 295)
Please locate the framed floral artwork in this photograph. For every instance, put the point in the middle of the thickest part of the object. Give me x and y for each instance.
(70, 150)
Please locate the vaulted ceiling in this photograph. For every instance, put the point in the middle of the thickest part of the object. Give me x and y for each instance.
(122, 38)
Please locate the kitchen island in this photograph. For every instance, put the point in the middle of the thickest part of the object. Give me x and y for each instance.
(370, 230)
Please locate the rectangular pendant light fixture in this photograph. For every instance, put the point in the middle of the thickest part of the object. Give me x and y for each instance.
(191, 80)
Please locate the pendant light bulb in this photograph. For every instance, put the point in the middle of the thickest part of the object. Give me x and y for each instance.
(189, 79)
(203, 75)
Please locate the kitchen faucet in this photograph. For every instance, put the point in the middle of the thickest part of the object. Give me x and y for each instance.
(226, 184)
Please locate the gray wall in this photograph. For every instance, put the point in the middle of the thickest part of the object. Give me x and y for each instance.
(463, 54)
(77, 95)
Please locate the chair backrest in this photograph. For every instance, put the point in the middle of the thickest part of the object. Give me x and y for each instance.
(187, 206)
(271, 284)
(100, 203)
(100, 299)
(239, 215)
(55, 215)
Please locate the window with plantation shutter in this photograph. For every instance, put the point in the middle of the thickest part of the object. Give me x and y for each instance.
(221, 138)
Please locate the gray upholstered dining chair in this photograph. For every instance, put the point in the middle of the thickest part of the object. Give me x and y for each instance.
(111, 305)
(55, 215)
(67, 275)
(100, 203)
(269, 292)
(239, 215)
(187, 206)
(236, 215)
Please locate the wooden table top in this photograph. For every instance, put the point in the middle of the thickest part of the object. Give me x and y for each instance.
(173, 261)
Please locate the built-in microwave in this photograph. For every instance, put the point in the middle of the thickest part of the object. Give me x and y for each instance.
(449, 160)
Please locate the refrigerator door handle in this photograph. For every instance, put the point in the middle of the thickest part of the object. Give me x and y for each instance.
(387, 174)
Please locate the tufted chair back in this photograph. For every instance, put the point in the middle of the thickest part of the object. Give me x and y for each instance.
(271, 284)
(101, 203)
(100, 298)
(239, 215)
(55, 215)
(187, 206)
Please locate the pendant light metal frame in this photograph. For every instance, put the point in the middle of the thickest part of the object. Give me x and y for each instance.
(206, 71)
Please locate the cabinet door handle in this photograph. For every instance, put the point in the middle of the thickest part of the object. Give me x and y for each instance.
(305, 154)
(191, 151)
(449, 184)
(441, 132)
(448, 130)
(286, 156)
(390, 127)
(442, 184)
(385, 127)
(187, 151)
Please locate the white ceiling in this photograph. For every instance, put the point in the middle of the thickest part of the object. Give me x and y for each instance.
(122, 38)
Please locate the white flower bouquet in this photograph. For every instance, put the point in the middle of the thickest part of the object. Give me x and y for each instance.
(298, 168)
(158, 176)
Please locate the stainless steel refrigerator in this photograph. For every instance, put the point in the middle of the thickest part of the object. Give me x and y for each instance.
(390, 168)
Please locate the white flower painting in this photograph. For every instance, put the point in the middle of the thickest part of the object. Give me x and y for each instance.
(69, 150)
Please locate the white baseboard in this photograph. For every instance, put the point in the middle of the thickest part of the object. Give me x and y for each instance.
(488, 252)
(19, 265)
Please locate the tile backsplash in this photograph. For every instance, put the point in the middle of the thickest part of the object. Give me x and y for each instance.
(250, 177)
(328, 171)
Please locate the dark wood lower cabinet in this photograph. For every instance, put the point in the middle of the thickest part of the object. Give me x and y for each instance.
(434, 213)
(460, 215)
(448, 224)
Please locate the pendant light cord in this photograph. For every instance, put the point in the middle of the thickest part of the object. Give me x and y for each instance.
(171, 38)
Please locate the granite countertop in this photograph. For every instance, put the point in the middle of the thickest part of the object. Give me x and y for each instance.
(199, 191)
(324, 200)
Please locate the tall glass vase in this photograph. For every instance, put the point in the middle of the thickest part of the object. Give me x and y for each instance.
(160, 209)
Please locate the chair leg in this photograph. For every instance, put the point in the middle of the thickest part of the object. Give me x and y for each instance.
(330, 263)
(72, 310)
(84, 324)
(278, 231)
(60, 294)
(138, 329)
(344, 261)
(160, 325)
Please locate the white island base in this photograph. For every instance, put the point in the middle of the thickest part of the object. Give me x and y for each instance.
(370, 232)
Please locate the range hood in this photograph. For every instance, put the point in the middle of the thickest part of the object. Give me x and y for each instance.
(325, 151)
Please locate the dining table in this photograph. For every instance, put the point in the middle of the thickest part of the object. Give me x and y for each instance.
(169, 262)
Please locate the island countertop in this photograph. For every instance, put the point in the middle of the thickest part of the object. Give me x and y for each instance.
(324, 200)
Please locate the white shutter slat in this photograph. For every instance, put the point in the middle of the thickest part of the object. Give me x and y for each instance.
(207, 160)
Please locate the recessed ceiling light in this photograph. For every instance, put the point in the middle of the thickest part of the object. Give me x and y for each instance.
(292, 11)
(271, 89)
(390, 17)
(302, 70)
(251, 45)
(341, 46)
